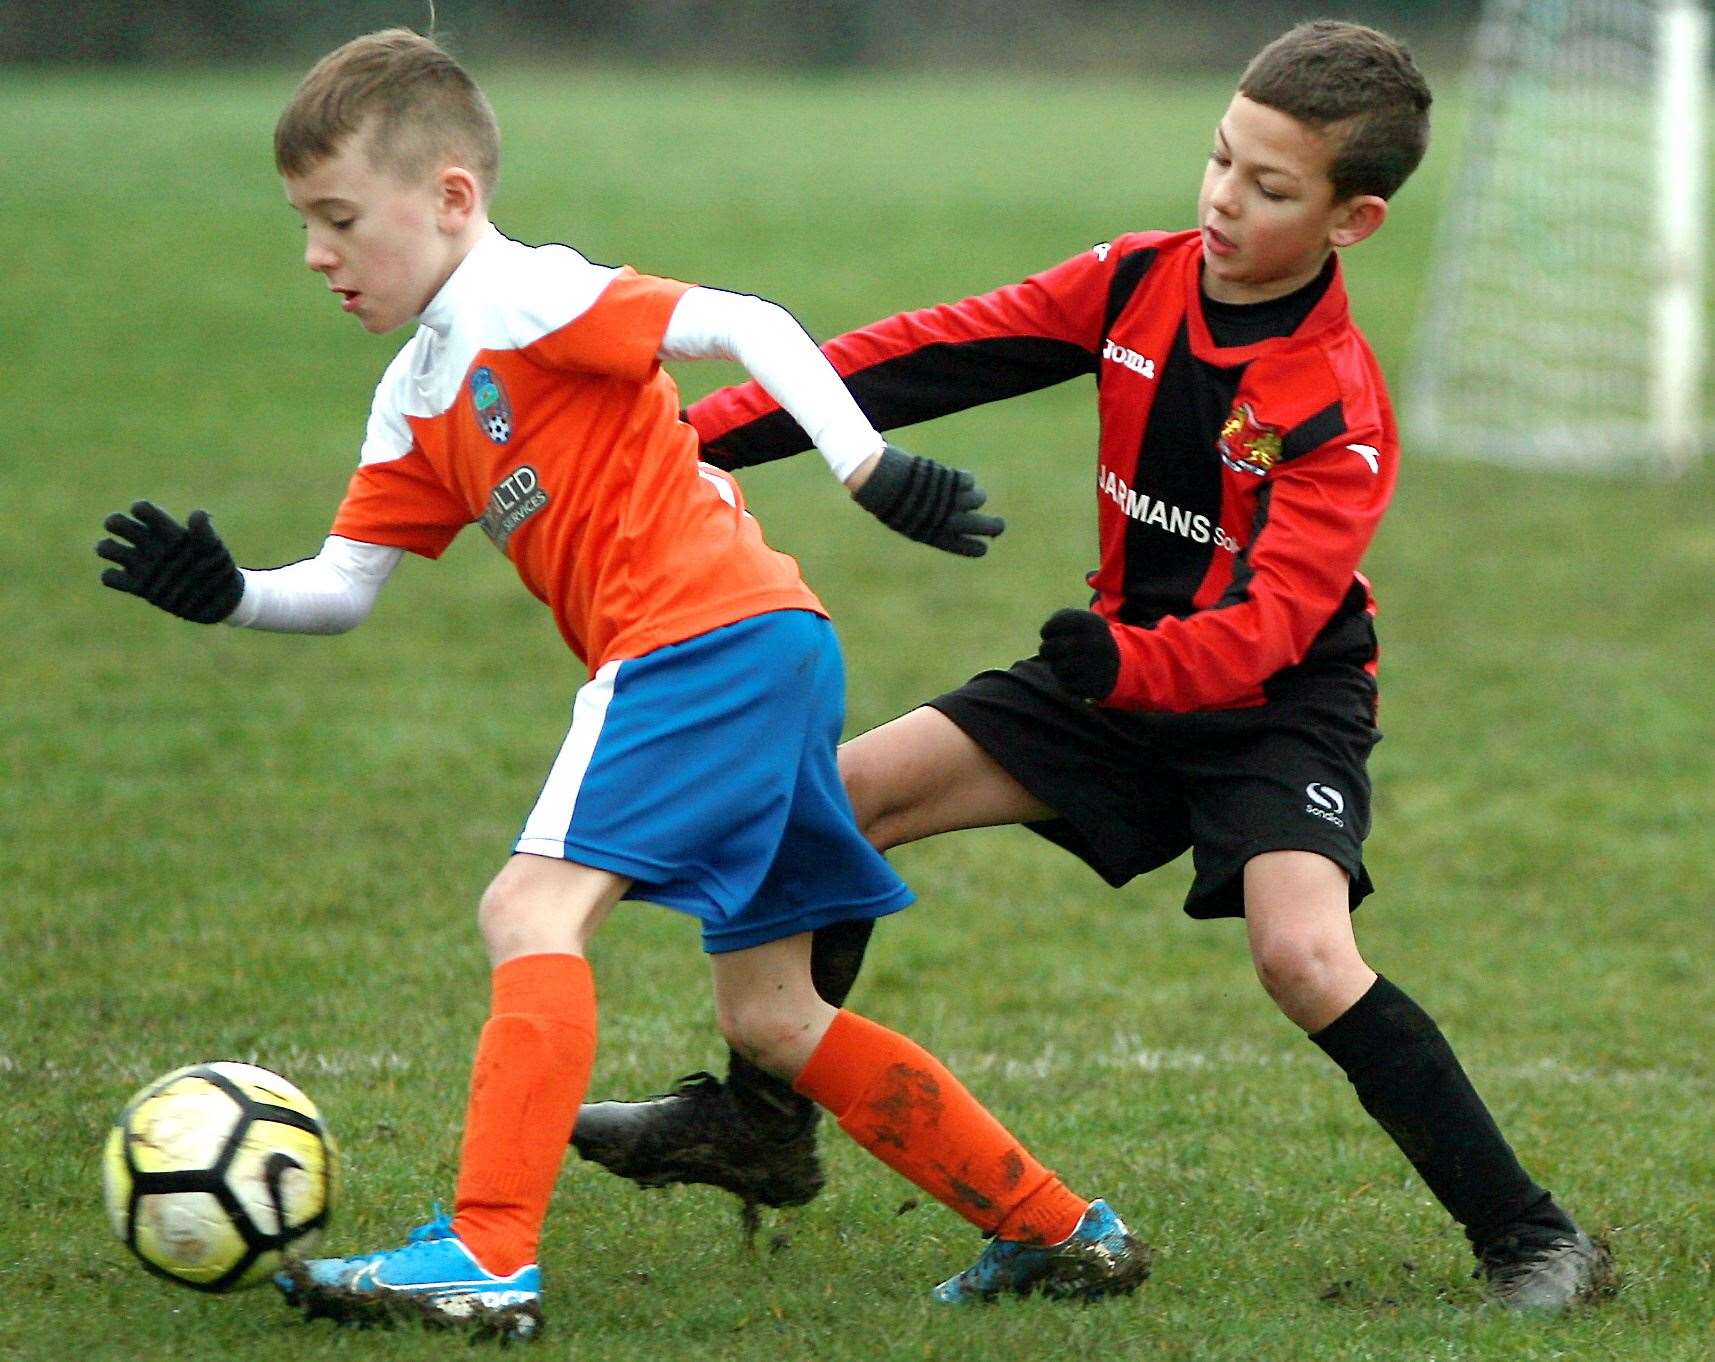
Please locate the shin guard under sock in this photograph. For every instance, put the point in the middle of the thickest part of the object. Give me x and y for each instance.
(532, 1067)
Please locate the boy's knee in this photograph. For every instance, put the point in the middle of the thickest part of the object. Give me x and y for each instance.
(768, 1034)
(1288, 968)
(498, 909)
(537, 904)
(1311, 980)
(747, 1024)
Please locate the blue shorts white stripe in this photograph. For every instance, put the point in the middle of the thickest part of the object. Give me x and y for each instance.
(706, 772)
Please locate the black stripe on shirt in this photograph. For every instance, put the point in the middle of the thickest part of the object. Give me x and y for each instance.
(1313, 433)
(1176, 467)
(1239, 589)
(1128, 274)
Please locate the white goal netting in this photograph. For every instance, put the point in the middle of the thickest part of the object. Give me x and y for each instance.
(1563, 318)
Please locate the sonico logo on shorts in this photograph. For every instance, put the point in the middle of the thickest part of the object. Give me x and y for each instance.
(516, 498)
(1326, 803)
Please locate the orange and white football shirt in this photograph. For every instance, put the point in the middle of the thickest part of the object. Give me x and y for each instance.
(531, 402)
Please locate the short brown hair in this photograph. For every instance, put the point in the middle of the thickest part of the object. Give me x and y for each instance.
(1356, 82)
(417, 105)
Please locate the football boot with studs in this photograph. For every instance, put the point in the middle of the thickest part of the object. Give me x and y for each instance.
(434, 1280)
(1546, 1273)
(699, 1132)
(1101, 1257)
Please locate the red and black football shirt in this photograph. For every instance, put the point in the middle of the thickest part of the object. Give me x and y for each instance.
(1239, 478)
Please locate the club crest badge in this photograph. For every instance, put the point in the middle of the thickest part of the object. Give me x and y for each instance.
(1246, 444)
(488, 398)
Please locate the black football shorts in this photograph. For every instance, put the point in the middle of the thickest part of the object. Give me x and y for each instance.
(1134, 790)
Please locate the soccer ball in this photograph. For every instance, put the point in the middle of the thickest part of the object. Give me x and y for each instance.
(214, 1173)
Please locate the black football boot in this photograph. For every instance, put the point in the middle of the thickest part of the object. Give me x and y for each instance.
(752, 1135)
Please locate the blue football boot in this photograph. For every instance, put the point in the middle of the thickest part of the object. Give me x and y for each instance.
(1099, 1258)
(433, 1278)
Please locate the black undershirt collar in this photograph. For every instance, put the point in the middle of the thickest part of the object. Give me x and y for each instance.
(1236, 324)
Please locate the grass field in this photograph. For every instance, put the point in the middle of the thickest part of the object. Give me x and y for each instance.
(218, 844)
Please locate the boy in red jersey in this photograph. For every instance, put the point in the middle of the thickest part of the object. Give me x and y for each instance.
(700, 768)
(1219, 695)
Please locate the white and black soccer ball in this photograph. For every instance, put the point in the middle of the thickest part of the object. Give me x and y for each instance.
(215, 1173)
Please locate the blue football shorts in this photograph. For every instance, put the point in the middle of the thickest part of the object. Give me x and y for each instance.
(705, 771)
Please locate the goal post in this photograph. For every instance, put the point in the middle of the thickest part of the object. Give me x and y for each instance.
(1683, 26)
(1563, 323)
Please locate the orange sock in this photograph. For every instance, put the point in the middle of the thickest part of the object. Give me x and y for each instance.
(899, 1102)
(532, 1066)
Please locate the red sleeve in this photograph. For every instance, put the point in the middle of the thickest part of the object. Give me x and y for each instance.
(1321, 512)
(919, 365)
(620, 334)
(401, 503)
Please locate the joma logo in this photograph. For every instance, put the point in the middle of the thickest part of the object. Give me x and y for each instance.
(1130, 359)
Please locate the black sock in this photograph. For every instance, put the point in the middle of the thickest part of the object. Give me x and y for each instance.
(1408, 1078)
(836, 954)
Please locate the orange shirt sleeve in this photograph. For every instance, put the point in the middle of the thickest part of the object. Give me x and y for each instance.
(619, 336)
(401, 503)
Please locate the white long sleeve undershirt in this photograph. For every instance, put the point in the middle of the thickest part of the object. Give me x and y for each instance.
(711, 323)
(327, 594)
(336, 590)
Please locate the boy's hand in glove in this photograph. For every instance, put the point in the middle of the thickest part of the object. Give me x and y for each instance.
(183, 569)
(929, 502)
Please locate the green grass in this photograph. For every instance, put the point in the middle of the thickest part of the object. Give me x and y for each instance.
(225, 844)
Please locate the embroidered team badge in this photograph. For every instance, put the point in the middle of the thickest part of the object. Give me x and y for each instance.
(493, 411)
(1246, 444)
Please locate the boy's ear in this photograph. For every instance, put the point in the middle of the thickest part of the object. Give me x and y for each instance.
(458, 197)
(1357, 218)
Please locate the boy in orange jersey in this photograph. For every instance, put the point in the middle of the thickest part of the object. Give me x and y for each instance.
(699, 770)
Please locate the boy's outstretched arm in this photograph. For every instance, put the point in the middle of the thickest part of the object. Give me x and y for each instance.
(187, 571)
(920, 498)
(919, 365)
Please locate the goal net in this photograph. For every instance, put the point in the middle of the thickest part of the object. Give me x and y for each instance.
(1562, 323)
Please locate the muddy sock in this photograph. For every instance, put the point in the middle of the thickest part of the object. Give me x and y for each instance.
(765, 1102)
(1408, 1078)
(899, 1102)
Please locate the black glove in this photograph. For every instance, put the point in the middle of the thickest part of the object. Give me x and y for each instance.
(184, 569)
(929, 502)
(1079, 649)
